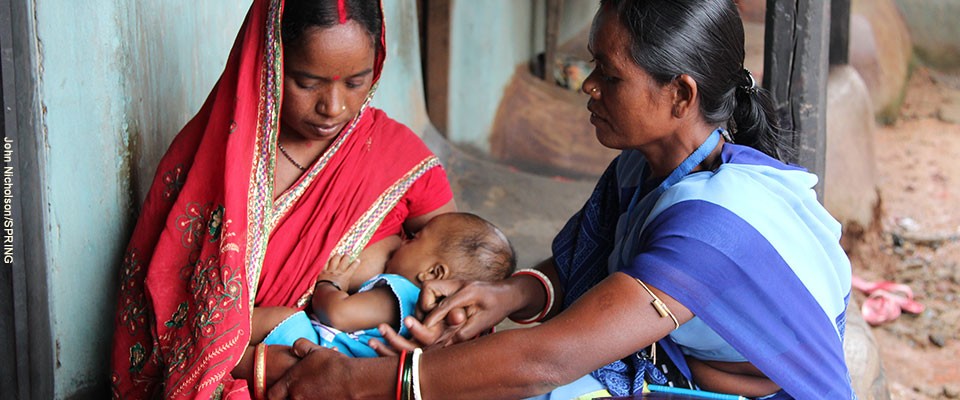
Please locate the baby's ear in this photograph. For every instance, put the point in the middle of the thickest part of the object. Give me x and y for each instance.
(437, 272)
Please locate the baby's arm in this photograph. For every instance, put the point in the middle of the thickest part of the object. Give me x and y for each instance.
(279, 358)
(337, 308)
(264, 319)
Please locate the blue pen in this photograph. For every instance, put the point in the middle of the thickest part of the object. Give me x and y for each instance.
(694, 393)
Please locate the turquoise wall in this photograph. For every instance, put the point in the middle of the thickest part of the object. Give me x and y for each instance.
(400, 92)
(488, 40)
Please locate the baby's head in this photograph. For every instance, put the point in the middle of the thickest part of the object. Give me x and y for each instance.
(454, 246)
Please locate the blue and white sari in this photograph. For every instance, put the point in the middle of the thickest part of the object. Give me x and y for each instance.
(746, 247)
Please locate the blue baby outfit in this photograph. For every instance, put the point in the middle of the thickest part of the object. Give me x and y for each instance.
(353, 344)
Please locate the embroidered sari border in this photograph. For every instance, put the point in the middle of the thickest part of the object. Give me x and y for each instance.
(356, 239)
(361, 232)
(260, 192)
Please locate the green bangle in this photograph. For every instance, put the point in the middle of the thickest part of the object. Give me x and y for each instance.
(332, 283)
(407, 385)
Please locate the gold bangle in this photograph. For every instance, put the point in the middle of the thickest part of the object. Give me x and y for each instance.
(260, 372)
(659, 305)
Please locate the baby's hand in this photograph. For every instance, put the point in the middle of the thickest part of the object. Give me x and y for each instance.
(339, 270)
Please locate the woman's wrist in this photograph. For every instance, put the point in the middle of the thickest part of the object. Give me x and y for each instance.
(371, 378)
(260, 372)
(530, 294)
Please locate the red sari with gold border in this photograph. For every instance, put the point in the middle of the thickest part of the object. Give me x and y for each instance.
(212, 242)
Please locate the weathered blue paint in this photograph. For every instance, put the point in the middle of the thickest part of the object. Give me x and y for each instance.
(400, 92)
(488, 40)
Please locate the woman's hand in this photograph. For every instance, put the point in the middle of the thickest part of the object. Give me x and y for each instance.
(421, 337)
(304, 380)
(394, 342)
(458, 311)
(279, 359)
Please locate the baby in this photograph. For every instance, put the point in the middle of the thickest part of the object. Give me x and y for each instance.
(450, 246)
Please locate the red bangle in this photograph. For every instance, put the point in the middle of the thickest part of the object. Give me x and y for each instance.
(403, 356)
(547, 286)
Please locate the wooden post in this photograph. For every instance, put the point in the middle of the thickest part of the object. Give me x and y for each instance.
(554, 10)
(795, 72)
(436, 56)
(839, 32)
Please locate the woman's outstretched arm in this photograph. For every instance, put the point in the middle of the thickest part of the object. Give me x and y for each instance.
(467, 309)
(457, 310)
(609, 322)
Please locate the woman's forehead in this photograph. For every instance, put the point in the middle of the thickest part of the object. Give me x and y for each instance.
(347, 48)
(350, 35)
(608, 37)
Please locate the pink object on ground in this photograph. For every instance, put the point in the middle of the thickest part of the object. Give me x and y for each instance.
(885, 300)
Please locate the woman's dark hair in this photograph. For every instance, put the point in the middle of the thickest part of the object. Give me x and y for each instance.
(300, 15)
(703, 39)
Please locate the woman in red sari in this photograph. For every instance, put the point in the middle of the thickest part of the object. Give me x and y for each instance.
(283, 166)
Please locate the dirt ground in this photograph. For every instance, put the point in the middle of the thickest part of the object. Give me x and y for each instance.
(916, 239)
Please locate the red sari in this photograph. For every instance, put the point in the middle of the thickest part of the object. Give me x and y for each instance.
(212, 242)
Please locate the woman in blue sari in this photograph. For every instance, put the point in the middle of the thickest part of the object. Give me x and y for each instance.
(701, 260)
